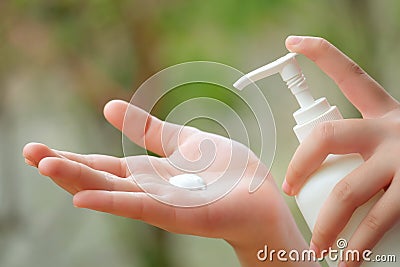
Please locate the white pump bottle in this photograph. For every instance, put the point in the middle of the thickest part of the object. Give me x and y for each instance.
(320, 184)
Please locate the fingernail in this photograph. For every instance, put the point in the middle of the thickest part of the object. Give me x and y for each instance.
(30, 163)
(342, 264)
(294, 40)
(75, 202)
(287, 188)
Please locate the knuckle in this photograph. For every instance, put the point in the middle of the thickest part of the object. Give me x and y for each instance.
(123, 168)
(355, 68)
(352, 68)
(321, 47)
(372, 222)
(343, 192)
(89, 160)
(323, 44)
(113, 203)
(151, 126)
(147, 125)
(79, 170)
(110, 181)
(325, 133)
(294, 173)
(140, 212)
(322, 237)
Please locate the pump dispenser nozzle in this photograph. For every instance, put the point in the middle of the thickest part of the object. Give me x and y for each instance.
(311, 111)
(291, 73)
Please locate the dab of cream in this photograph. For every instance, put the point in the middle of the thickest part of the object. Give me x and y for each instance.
(188, 181)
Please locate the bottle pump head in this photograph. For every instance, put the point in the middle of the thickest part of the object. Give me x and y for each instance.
(290, 72)
(311, 111)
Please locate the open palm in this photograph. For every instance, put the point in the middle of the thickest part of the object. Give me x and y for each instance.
(137, 187)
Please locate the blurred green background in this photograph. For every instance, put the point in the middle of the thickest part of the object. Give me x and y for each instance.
(61, 61)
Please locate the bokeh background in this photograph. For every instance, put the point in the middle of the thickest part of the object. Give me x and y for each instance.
(61, 61)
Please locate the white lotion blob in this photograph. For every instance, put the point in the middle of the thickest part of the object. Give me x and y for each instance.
(188, 181)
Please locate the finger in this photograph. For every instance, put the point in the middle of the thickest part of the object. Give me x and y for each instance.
(114, 165)
(380, 219)
(74, 176)
(333, 137)
(350, 193)
(363, 91)
(146, 130)
(141, 206)
(35, 152)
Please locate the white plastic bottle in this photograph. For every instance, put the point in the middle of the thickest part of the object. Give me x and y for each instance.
(320, 184)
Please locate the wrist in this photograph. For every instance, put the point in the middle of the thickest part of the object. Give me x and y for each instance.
(276, 245)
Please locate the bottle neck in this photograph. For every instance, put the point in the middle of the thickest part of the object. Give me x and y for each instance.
(308, 118)
(299, 88)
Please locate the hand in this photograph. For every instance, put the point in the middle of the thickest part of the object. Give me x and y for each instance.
(108, 184)
(376, 137)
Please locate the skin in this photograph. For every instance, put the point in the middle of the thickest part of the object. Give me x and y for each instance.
(247, 221)
(376, 137)
(250, 221)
